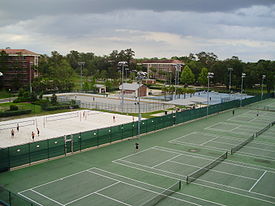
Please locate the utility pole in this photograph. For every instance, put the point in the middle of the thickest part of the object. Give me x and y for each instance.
(81, 64)
(243, 76)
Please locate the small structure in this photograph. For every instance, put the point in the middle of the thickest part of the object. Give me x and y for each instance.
(100, 88)
(134, 89)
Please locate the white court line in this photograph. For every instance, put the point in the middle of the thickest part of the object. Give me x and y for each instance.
(182, 194)
(166, 161)
(205, 134)
(107, 197)
(257, 181)
(202, 180)
(142, 188)
(213, 170)
(91, 193)
(29, 199)
(141, 151)
(229, 162)
(215, 188)
(208, 141)
(57, 179)
(47, 197)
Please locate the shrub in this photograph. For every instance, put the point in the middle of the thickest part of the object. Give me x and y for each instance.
(13, 108)
(15, 113)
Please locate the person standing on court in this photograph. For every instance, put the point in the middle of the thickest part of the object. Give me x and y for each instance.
(17, 127)
(233, 112)
(32, 136)
(37, 131)
(114, 119)
(12, 133)
(137, 146)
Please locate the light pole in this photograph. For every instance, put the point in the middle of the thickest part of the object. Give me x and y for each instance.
(263, 77)
(177, 70)
(243, 76)
(30, 76)
(140, 76)
(229, 85)
(122, 65)
(81, 64)
(209, 75)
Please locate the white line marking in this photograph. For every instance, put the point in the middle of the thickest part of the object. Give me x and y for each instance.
(91, 193)
(142, 187)
(257, 181)
(229, 162)
(30, 199)
(215, 188)
(218, 171)
(166, 161)
(47, 197)
(209, 141)
(112, 199)
(162, 188)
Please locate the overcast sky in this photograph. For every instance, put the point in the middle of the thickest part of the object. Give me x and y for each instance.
(152, 28)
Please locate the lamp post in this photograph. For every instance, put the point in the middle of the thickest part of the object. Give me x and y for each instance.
(229, 85)
(140, 76)
(209, 75)
(243, 76)
(122, 65)
(30, 77)
(81, 64)
(263, 77)
(177, 70)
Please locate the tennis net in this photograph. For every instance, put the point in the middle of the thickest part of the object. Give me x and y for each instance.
(196, 174)
(167, 192)
(239, 146)
(263, 130)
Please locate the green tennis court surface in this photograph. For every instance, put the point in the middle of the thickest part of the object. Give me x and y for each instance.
(120, 175)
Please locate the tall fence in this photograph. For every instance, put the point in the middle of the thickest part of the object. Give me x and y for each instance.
(42, 150)
(8, 198)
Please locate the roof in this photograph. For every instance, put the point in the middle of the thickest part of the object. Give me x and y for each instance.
(19, 51)
(100, 86)
(165, 61)
(127, 86)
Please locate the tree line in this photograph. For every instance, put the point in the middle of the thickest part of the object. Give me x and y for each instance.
(57, 71)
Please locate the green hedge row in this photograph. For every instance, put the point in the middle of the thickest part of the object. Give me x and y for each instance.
(15, 113)
(57, 107)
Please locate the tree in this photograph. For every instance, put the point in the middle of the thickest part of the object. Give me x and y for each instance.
(202, 79)
(187, 77)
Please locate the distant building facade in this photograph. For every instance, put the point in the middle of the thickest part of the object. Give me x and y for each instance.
(18, 67)
(134, 89)
(161, 69)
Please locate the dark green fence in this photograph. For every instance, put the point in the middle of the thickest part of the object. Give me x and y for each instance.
(41, 150)
(8, 198)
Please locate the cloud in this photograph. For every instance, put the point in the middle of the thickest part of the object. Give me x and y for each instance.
(151, 29)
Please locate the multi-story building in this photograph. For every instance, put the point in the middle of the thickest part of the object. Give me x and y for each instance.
(18, 67)
(162, 69)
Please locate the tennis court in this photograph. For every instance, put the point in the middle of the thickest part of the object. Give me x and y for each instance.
(188, 164)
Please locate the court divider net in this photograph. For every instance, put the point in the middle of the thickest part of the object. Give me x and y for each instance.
(164, 194)
(196, 174)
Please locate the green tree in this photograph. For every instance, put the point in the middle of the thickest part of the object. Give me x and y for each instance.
(202, 79)
(187, 77)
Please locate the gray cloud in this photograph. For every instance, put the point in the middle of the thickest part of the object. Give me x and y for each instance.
(243, 28)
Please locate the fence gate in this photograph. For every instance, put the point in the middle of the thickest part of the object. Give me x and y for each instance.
(68, 144)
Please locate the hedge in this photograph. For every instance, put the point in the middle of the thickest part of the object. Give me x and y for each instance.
(15, 113)
(51, 108)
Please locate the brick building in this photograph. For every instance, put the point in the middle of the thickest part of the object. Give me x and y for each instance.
(18, 67)
(161, 69)
(134, 89)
